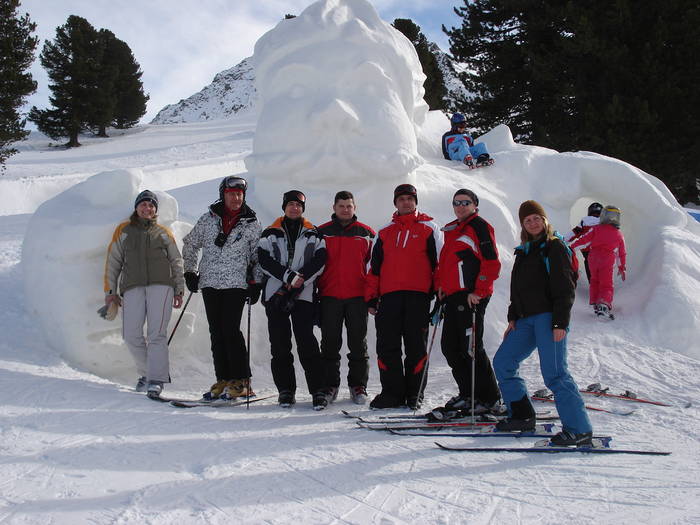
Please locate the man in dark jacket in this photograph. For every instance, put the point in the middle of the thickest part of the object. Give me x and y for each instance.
(399, 285)
(292, 255)
(341, 288)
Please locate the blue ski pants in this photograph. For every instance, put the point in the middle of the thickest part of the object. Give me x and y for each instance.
(459, 149)
(536, 332)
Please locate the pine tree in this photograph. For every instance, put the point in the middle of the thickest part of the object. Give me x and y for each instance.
(17, 46)
(435, 90)
(131, 101)
(616, 77)
(72, 62)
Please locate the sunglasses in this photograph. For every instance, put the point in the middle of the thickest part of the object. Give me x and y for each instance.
(461, 203)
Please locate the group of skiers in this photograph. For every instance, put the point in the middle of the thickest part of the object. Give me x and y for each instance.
(340, 272)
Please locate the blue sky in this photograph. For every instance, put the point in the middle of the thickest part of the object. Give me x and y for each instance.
(182, 44)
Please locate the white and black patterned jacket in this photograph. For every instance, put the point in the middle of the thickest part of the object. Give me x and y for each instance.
(235, 263)
(309, 257)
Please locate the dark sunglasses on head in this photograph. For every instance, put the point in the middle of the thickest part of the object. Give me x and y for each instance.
(455, 202)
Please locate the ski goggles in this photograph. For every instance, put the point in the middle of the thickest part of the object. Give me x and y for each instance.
(235, 183)
(466, 202)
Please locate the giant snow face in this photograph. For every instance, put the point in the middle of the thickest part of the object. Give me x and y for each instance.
(340, 99)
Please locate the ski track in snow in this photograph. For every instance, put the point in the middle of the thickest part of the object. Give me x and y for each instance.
(77, 448)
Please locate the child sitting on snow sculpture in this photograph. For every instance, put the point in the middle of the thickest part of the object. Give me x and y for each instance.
(606, 244)
(592, 219)
(457, 144)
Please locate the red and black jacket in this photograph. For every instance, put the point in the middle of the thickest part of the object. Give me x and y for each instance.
(469, 259)
(404, 256)
(348, 250)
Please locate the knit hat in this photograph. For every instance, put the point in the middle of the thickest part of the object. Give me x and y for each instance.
(146, 195)
(405, 189)
(468, 193)
(530, 208)
(294, 195)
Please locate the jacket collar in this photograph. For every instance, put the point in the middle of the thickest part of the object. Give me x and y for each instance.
(217, 208)
(278, 223)
(336, 221)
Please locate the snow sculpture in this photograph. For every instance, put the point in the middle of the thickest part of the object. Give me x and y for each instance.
(341, 99)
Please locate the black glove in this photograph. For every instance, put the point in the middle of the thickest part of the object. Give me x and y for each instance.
(254, 290)
(437, 313)
(192, 281)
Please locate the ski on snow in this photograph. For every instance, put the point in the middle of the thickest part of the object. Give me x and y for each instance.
(217, 403)
(550, 399)
(419, 425)
(600, 446)
(544, 431)
(597, 390)
(546, 415)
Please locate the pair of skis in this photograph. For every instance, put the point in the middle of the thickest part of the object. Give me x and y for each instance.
(216, 403)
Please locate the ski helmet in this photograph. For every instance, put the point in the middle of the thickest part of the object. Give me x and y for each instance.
(594, 209)
(232, 182)
(458, 118)
(610, 215)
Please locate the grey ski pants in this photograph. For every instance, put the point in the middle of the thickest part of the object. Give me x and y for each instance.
(151, 305)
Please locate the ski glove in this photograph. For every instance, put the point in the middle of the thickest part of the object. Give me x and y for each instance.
(192, 281)
(254, 290)
(621, 272)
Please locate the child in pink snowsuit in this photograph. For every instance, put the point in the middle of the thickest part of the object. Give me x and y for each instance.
(606, 245)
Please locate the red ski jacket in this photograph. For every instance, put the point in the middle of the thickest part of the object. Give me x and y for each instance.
(404, 256)
(469, 258)
(348, 250)
(603, 239)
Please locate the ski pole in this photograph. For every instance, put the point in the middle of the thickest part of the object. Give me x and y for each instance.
(421, 386)
(473, 354)
(247, 399)
(180, 318)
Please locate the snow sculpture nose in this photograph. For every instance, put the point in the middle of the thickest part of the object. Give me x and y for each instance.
(337, 115)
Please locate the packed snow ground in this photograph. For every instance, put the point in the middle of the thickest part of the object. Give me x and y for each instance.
(78, 447)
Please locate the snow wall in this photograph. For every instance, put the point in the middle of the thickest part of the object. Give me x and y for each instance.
(64, 247)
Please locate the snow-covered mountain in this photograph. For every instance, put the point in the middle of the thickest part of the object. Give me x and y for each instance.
(231, 92)
(450, 71)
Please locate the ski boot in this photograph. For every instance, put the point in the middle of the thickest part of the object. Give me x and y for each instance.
(141, 384)
(320, 401)
(569, 439)
(358, 394)
(469, 161)
(154, 389)
(483, 160)
(286, 398)
(215, 390)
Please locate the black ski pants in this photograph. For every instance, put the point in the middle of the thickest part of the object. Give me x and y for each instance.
(456, 343)
(402, 316)
(353, 312)
(224, 309)
(280, 325)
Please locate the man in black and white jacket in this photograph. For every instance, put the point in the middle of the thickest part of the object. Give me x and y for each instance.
(292, 255)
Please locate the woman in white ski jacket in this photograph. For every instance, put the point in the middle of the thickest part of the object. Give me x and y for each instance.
(143, 262)
(228, 275)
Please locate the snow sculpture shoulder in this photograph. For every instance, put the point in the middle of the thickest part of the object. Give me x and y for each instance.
(341, 98)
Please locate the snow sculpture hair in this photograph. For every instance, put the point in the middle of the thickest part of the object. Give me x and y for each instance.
(340, 93)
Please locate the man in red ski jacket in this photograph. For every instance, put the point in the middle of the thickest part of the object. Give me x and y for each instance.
(467, 268)
(341, 288)
(399, 286)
